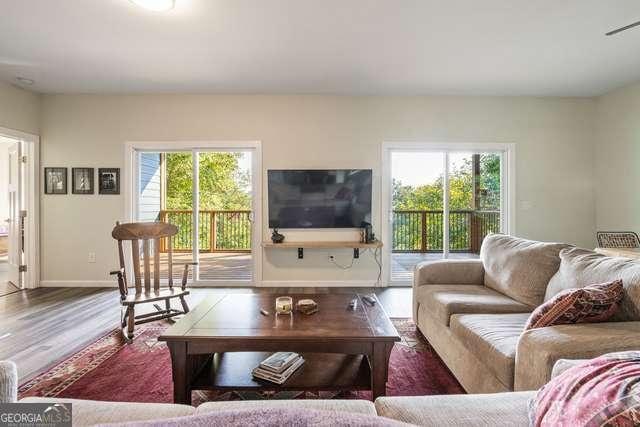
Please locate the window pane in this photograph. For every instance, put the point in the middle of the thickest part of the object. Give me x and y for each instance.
(417, 201)
(474, 201)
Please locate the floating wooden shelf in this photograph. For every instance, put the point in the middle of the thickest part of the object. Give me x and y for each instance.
(315, 244)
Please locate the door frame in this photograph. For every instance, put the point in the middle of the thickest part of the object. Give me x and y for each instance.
(31, 190)
(131, 201)
(507, 197)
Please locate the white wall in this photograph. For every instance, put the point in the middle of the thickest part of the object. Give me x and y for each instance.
(19, 109)
(554, 139)
(617, 160)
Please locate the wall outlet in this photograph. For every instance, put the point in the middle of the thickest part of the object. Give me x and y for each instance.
(92, 257)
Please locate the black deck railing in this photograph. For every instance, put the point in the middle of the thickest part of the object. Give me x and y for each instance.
(422, 230)
(218, 231)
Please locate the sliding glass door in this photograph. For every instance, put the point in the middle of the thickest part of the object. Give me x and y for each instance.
(218, 185)
(417, 202)
(441, 203)
(224, 222)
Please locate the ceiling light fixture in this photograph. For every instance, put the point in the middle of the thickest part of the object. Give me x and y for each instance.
(621, 29)
(25, 81)
(156, 5)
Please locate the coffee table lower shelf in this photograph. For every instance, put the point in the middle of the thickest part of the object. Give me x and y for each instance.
(321, 371)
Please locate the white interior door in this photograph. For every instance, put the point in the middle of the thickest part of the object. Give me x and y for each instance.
(15, 219)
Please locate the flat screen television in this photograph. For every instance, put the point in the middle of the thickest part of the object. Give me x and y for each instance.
(319, 198)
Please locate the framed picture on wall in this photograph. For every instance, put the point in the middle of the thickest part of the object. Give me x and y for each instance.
(82, 181)
(109, 180)
(55, 180)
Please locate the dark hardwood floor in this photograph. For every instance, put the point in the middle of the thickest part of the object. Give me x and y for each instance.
(7, 288)
(39, 327)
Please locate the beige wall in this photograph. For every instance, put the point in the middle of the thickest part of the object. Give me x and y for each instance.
(553, 137)
(19, 109)
(617, 160)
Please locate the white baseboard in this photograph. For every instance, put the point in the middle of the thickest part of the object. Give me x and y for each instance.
(318, 283)
(78, 284)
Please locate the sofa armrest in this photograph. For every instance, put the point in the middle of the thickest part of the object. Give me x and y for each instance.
(539, 349)
(565, 364)
(446, 272)
(449, 272)
(8, 382)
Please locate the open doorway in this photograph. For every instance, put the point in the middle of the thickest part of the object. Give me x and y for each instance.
(18, 211)
(6, 286)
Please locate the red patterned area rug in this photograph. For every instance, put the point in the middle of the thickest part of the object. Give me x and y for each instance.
(109, 369)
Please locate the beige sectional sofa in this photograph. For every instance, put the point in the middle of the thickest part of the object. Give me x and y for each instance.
(479, 410)
(473, 312)
(505, 409)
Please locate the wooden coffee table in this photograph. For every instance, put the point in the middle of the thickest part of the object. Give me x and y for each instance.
(216, 346)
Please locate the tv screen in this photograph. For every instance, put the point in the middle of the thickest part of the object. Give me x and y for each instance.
(338, 198)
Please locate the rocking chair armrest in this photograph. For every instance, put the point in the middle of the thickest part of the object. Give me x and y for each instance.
(122, 285)
(185, 273)
(114, 272)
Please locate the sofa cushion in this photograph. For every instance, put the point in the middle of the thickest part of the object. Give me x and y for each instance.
(443, 301)
(467, 410)
(271, 418)
(591, 304)
(92, 412)
(355, 406)
(519, 268)
(581, 267)
(493, 338)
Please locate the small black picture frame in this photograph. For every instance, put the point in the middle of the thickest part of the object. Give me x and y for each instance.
(82, 181)
(55, 180)
(109, 180)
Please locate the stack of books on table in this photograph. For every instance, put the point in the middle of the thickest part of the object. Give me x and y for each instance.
(278, 367)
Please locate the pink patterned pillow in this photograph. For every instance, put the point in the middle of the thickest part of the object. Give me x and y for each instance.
(604, 391)
(591, 304)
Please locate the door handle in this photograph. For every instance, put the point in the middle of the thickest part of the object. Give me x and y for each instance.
(8, 220)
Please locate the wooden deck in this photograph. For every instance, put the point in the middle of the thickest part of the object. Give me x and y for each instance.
(229, 266)
(402, 264)
(233, 266)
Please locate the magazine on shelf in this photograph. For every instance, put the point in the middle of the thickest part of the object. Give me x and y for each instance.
(279, 362)
(278, 378)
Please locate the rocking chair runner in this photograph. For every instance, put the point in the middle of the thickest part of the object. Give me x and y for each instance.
(150, 234)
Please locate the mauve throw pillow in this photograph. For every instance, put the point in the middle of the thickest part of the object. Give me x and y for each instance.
(604, 391)
(270, 418)
(591, 304)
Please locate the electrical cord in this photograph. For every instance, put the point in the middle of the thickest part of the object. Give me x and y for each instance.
(376, 257)
(333, 261)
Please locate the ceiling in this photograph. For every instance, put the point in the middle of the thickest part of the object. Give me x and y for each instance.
(404, 47)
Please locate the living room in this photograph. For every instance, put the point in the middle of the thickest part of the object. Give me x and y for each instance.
(458, 136)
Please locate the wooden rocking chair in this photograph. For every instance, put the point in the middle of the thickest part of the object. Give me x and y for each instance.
(150, 233)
